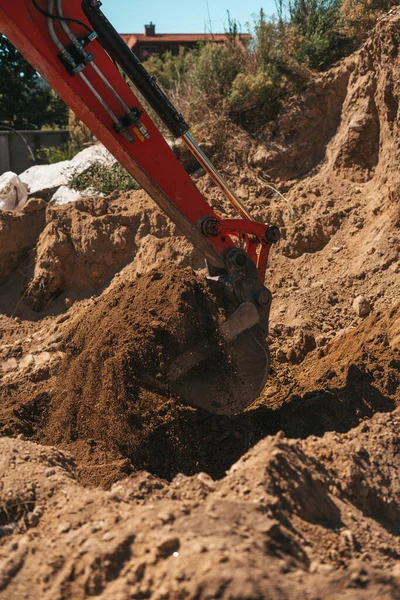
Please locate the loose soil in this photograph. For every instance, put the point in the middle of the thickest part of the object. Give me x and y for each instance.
(298, 496)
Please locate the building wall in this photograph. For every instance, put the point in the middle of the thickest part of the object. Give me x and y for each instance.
(141, 48)
(14, 155)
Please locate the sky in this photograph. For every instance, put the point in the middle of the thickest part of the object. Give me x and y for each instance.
(182, 16)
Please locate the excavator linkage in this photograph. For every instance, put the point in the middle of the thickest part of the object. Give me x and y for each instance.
(79, 53)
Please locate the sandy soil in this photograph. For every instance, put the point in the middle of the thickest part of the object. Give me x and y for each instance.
(113, 487)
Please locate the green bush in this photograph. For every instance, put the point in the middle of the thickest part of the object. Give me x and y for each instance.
(321, 40)
(55, 154)
(214, 70)
(254, 99)
(169, 70)
(103, 179)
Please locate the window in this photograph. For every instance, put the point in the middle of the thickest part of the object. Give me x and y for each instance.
(175, 50)
(147, 51)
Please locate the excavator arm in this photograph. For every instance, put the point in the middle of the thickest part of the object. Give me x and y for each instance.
(79, 53)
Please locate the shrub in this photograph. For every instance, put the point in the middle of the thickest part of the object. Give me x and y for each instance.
(214, 70)
(55, 154)
(359, 16)
(103, 179)
(169, 70)
(254, 99)
(222, 84)
(80, 137)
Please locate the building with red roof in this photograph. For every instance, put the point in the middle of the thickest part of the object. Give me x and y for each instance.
(148, 43)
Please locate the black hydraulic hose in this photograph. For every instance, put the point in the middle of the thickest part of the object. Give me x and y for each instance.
(56, 18)
(131, 65)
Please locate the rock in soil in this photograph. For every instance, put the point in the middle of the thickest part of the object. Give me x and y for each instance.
(361, 306)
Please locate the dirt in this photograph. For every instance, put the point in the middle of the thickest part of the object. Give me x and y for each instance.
(296, 497)
(321, 514)
(86, 242)
(18, 235)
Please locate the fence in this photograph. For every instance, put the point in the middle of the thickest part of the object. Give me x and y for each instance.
(15, 156)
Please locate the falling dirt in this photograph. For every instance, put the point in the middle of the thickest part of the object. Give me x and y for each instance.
(298, 496)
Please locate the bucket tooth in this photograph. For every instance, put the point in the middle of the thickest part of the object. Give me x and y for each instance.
(225, 378)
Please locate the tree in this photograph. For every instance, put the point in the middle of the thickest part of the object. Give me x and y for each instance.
(26, 102)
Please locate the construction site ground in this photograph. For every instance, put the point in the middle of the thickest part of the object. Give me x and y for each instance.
(110, 487)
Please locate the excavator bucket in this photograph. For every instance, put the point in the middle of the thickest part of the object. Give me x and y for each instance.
(225, 378)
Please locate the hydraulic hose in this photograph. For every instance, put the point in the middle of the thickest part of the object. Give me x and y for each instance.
(131, 65)
(82, 51)
(70, 60)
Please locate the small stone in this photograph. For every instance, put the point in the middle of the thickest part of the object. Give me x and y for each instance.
(34, 205)
(361, 306)
(9, 365)
(206, 481)
(168, 546)
(64, 527)
(280, 355)
(27, 361)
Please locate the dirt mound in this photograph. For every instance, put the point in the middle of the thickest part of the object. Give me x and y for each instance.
(314, 511)
(87, 242)
(19, 232)
(347, 118)
(353, 376)
(107, 401)
(112, 387)
(333, 152)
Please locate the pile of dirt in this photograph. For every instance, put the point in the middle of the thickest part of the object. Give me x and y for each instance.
(87, 242)
(99, 387)
(306, 509)
(19, 232)
(87, 372)
(348, 118)
(112, 387)
(338, 385)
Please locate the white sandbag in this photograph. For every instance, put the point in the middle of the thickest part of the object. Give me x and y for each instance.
(42, 178)
(13, 192)
(65, 195)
